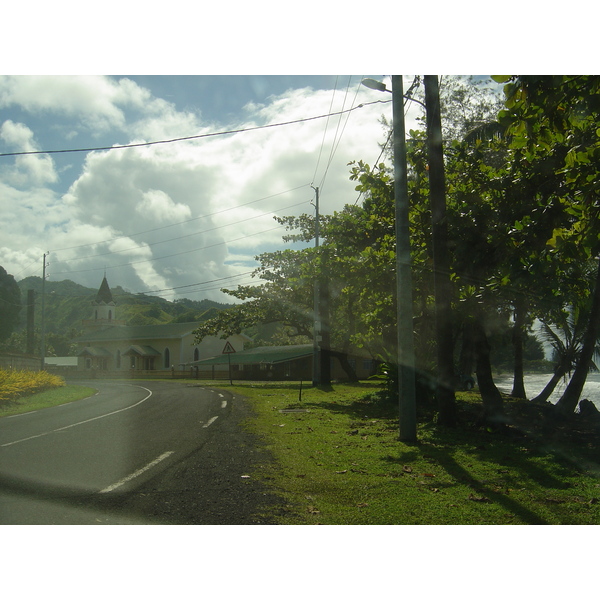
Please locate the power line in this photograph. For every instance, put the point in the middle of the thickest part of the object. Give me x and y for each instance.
(192, 137)
(169, 255)
(325, 130)
(187, 221)
(180, 237)
(179, 287)
(335, 144)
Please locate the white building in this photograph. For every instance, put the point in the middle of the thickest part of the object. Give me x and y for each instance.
(110, 345)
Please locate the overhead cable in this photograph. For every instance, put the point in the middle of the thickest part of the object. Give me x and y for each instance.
(193, 137)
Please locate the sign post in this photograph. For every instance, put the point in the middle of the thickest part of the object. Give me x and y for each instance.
(229, 350)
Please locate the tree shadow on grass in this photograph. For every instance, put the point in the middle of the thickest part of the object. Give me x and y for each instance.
(512, 451)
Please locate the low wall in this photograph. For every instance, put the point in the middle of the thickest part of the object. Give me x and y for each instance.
(20, 362)
(95, 374)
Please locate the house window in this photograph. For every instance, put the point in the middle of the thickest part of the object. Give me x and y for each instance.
(110, 315)
(196, 354)
(118, 359)
(167, 358)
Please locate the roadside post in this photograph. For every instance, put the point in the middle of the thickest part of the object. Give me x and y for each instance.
(229, 350)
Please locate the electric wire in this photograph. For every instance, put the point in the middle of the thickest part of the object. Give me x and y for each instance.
(192, 137)
(324, 132)
(179, 237)
(335, 144)
(414, 86)
(169, 255)
(187, 221)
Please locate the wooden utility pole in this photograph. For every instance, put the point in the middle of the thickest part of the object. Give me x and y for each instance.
(43, 322)
(316, 370)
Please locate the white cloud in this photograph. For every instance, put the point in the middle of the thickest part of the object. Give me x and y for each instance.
(187, 212)
(29, 169)
(157, 205)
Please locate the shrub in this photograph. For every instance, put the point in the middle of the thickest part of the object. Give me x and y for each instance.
(16, 384)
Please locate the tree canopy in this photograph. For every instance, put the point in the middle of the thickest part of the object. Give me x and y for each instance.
(10, 304)
(522, 216)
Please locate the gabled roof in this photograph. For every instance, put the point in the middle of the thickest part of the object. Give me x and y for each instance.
(94, 351)
(140, 332)
(141, 351)
(263, 355)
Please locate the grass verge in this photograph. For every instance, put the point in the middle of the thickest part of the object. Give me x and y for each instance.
(340, 462)
(54, 397)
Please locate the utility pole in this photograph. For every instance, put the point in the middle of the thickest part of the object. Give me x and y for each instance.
(42, 327)
(441, 259)
(316, 304)
(30, 321)
(406, 352)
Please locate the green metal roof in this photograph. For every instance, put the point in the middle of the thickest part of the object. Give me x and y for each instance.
(141, 351)
(263, 355)
(93, 351)
(141, 332)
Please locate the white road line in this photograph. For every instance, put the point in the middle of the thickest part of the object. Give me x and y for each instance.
(224, 404)
(110, 488)
(114, 412)
(210, 422)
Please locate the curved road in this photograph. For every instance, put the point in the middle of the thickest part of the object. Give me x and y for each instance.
(135, 453)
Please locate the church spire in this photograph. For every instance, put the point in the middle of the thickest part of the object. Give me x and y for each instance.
(104, 294)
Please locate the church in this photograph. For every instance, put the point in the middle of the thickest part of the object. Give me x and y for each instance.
(109, 345)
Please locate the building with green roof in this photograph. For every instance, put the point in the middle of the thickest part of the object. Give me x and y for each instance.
(109, 345)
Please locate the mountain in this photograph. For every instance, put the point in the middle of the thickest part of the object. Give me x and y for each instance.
(68, 303)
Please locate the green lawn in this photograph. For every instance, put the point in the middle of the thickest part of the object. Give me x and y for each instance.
(341, 463)
(54, 397)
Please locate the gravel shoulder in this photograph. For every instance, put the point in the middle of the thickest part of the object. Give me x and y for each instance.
(213, 485)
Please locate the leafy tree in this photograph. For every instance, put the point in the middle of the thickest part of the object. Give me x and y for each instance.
(10, 304)
(553, 121)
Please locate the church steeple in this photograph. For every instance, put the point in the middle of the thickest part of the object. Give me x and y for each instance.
(104, 295)
(104, 309)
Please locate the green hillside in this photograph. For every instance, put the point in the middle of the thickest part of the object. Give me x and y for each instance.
(68, 303)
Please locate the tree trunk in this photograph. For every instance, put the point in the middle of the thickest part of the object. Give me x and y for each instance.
(441, 257)
(568, 403)
(518, 390)
(345, 364)
(543, 396)
(490, 395)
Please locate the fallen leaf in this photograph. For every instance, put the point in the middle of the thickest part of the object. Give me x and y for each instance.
(427, 475)
(435, 489)
(245, 476)
(354, 432)
(301, 475)
(313, 510)
(341, 472)
(362, 505)
(407, 469)
(478, 498)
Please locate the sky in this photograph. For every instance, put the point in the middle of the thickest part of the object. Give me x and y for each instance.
(184, 218)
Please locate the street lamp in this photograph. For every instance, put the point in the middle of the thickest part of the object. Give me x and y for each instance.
(404, 304)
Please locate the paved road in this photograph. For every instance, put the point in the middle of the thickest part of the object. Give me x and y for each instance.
(143, 452)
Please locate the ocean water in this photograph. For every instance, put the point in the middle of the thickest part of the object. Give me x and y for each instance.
(534, 384)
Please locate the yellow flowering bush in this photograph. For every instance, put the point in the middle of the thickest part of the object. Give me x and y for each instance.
(16, 384)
